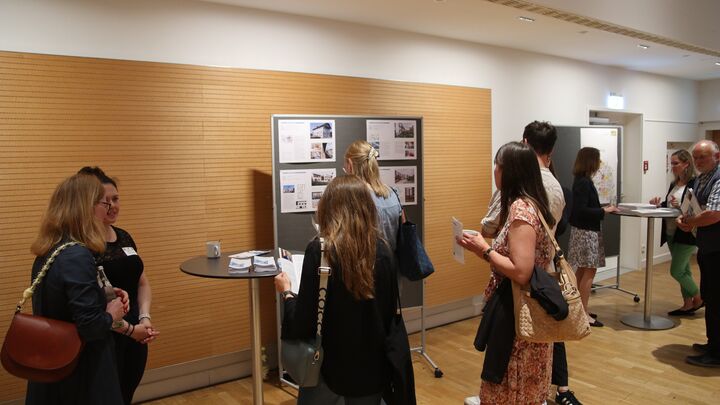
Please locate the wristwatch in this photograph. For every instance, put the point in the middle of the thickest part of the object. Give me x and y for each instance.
(288, 292)
(118, 324)
(486, 253)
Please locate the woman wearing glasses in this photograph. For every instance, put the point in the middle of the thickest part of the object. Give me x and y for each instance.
(124, 269)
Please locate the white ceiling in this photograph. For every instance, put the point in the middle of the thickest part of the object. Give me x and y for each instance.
(691, 22)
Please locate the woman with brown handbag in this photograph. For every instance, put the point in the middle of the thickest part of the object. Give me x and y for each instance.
(70, 292)
(523, 377)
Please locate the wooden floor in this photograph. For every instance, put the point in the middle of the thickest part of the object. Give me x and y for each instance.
(617, 364)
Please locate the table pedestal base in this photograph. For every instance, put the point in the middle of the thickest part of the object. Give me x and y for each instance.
(653, 322)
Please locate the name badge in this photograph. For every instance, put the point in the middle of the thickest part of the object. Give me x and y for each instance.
(129, 251)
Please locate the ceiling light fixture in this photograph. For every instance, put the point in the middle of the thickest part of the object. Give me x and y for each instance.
(526, 19)
(643, 46)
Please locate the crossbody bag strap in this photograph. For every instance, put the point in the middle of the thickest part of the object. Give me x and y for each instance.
(324, 271)
(28, 293)
(559, 254)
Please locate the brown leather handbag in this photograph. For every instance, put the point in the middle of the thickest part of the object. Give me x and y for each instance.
(37, 348)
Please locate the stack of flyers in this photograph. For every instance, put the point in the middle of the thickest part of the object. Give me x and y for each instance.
(264, 263)
(238, 266)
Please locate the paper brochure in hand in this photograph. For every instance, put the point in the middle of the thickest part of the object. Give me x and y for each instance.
(458, 251)
(690, 205)
(291, 264)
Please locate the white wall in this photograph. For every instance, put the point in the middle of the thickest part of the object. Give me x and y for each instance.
(525, 86)
(709, 104)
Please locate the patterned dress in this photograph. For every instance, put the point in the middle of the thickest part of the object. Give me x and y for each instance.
(527, 378)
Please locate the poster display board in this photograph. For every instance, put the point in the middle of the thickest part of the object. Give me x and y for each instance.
(308, 152)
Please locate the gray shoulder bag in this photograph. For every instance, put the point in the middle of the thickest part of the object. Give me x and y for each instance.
(302, 358)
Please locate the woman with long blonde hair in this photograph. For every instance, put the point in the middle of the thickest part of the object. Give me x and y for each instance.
(360, 303)
(70, 292)
(361, 160)
(680, 243)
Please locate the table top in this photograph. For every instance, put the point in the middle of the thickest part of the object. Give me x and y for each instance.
(202, 266)
(649, 213)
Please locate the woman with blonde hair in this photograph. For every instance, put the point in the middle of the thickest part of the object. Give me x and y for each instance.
(680, 243)
(360, 302)
(70, 292)
(361, 160)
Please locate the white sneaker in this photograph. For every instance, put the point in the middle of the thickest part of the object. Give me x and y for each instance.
(474, 400)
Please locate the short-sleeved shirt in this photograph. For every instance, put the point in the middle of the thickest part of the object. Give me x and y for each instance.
(389, 211)
(713, 202)
(556, 200)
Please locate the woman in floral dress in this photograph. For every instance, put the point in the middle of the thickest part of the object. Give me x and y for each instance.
(521, 244)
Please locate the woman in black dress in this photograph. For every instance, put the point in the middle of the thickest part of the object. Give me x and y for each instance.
(124, 269)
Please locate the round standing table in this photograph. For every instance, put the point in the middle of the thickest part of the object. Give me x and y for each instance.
(646, 320)
(202, 266)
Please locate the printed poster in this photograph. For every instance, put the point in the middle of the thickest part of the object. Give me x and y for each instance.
(306, 141)
(403, 179)
(300, 190)
(394, 139)
(605, 179)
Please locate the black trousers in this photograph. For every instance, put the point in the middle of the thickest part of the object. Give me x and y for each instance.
(131, 358)
(709, 264)
(559, 365)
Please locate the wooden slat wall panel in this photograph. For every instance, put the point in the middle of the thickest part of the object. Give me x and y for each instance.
(191, 148)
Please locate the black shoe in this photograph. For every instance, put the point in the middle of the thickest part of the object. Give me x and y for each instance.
(700, 347)
(566, 398)
(682, 312)
(703, 360)
(597, 324)
(592, 315)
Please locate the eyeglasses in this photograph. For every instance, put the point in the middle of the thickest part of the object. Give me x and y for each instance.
(106, 204)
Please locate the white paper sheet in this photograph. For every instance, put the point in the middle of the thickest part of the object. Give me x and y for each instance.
(248, 254)
(303, 141)
(393, 139)
(458, 251)
(237, 266)
(264, 263)
(300, 190)
(404, 180)
(292, 266)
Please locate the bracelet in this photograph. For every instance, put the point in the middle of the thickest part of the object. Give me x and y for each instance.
(130, 331)
(144, 315)
(288, 292)
(486, 253)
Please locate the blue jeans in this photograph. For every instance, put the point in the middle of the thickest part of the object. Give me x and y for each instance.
(322, 395)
